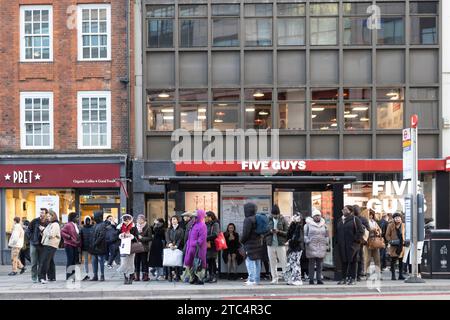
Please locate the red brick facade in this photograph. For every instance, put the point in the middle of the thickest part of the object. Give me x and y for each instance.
(65, 76)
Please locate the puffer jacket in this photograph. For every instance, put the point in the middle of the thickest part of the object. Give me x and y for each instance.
(86, 235)
(52, 235)
(98, 239)
(316, 238)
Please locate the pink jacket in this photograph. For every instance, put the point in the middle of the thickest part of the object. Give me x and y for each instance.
(70, 236)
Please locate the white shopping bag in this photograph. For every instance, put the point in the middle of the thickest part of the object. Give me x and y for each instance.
(125, 246)
(173, 258)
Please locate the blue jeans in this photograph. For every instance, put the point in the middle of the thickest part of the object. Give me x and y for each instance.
(96, 259)
(253, 269)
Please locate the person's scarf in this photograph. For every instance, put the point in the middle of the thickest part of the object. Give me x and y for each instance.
(126, 228)
(141, 227)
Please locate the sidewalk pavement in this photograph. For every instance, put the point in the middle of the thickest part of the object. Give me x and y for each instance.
(21, 287)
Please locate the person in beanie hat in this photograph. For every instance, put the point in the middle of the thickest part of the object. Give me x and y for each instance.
(293, 274)
(395, 236)
(316, 244)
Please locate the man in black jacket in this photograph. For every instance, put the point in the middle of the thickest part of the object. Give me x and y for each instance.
(253, 245)
(34, 233)
(98, 248)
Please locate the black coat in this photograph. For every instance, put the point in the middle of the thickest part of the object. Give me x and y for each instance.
(98, 240)
(253, 242)
(146, 235)
(232, 248)
(213, 229)
(86, 235)
(187, 229)
(295, 237)
(155, 256)
(112, 234)
(34, 234)
(348, 238)
(175, 236)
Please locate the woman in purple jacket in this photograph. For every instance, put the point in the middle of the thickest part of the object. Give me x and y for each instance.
(72, 242)
(196, 239)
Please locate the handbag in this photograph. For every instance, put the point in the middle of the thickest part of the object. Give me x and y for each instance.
(220, 242)
(197, 264)
(125, 246)
(395, 243)
(137, 247)
(376, 243)
(172, 258)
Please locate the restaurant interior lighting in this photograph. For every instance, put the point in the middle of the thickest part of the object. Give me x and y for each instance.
(324, 128)
(163, 95)
(218, 120)
(360, 108)
(364, 119)
(334, 124)
(201, 117)
(167, 110)
(263, 113)
(168, 117)
(392, 93)
(317, 109)
(258, 94)
(350, 116)
(249, 109)
(183, 114)
(220, 113)
(223, 104)
(203, 110)
(314, 116)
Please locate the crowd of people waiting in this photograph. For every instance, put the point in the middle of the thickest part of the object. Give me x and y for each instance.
(142, 251)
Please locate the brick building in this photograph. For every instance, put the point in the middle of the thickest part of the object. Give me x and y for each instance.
(65, 101)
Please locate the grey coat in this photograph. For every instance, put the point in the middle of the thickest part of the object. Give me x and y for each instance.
(316, 238)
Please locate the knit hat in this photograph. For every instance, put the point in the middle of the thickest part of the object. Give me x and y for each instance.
(397, 214)
(316, 213)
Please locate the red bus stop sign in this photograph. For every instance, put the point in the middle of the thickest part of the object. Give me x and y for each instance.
(414, 121)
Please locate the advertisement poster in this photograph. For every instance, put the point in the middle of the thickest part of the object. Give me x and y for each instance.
(233, 199)
(201, 200)
(48, 202)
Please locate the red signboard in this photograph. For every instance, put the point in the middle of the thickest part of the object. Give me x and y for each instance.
(309, 166)
(60, 176)
(447, 164)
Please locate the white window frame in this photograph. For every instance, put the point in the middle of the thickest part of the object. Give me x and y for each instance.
(42, 95)
(22, 31)
(80, 29)
(93, 94)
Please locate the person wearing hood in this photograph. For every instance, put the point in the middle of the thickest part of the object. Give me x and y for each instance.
(16, 243)
(98, 248)
(295, 238)
(174, 240)
(127, 229)
(316, 244)
(71, 236)
(196, 247)
(141, 258)
(51, 237)
(112, 242)
(155, 258)
(349, 234)
(86, 235)
(253, 245)
(276, 239)
(213, 230)
(395, 236)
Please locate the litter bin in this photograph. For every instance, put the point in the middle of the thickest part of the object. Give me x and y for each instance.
(436, 255)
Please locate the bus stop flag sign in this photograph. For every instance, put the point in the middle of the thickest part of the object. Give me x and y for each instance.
(408, 156)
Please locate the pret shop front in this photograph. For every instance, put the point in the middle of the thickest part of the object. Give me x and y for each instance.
(62, 183)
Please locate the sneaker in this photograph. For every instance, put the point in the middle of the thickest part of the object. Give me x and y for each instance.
(250, 283)
(23, 270)
(342, 282)
(319, 282)
(351, 282)
(297, 283)
(274, 281)
(12, 273)
(43, 281)
(109, 266)
(312, 282)
(86, 278)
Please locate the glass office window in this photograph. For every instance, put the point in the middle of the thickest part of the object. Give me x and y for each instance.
(323, 9)
(356, 31)
(258, 32)
(324, 31)
(357, 116)
(291, 31)
(291, 9)
(160, 26)
(193, 32)
(193, 10)
(424, 30)
(160, 117)
(225, 10)
(424, 102)
(258, 116)
(193, 116)
(390, 108)
(225, 32)
(258, 10)
(225, 116)
(291, 115)
(323, 116)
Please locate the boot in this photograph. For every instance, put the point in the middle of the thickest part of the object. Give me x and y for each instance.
(393, 274)
(136, 276)
(400, 271)
(130, 280)
(125, 279)
(145, 277)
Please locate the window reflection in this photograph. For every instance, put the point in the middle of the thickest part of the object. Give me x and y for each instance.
(160, 117)
(193, 116)
(324, 116)
(258, 116)
(225, 116)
